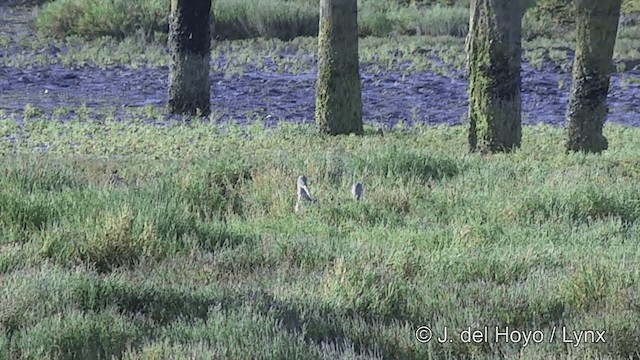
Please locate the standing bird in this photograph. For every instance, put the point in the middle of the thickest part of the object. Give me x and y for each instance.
(303, 193)
(356, 191)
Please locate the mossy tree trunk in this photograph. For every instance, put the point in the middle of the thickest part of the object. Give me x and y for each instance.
(493, 67)
(338, 89)
(190, 46)
(597, 26)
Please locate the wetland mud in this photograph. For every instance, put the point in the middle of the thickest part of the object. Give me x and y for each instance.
(389, 97)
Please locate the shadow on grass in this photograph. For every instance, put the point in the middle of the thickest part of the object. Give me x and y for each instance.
(164, 305)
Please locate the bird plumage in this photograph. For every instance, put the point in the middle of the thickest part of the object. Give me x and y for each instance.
(303, 193)
(357, 191)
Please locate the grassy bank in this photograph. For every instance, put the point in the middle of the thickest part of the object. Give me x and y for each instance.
(403, 54)
(240, 19)
(179, 241)
(286, 19)
(264, 18)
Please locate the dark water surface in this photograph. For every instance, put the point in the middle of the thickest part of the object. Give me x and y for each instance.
(389, 97)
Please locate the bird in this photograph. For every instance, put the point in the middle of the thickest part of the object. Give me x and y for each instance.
(303, 193)
(356, 191)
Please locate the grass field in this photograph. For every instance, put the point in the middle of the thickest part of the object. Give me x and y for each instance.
(287, 19)
(153, 239)
(180, 241)
(282, 19)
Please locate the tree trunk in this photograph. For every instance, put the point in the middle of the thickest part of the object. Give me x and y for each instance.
(190, 45)
(338, 92)
(493, 67)
(597, 26)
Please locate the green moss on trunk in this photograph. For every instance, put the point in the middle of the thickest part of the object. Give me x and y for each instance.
(597, 25)
(493, 65)
(338, 90)
(189, 42)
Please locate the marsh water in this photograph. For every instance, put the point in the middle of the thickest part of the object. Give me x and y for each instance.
(389, 97)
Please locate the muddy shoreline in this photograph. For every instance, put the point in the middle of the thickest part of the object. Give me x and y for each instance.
(389, 98)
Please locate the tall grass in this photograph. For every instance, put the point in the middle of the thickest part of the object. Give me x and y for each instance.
(241, 19)
(96, 18)
(283, 19)
(265, 18)
(189, 246)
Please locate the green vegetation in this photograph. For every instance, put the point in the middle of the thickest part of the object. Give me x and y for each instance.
(564, 10)
(241, 19)
(271, 18)
(286, 19)
(405, 54)
(180, 240)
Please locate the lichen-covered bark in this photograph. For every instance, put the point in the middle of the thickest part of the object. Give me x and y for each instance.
(597, 25)
(493, 67)
(189, 43)
(338, 90)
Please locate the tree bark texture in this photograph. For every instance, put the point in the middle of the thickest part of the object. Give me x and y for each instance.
(190, 46)
(597, 26)
(338, 88)
(493, 68)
